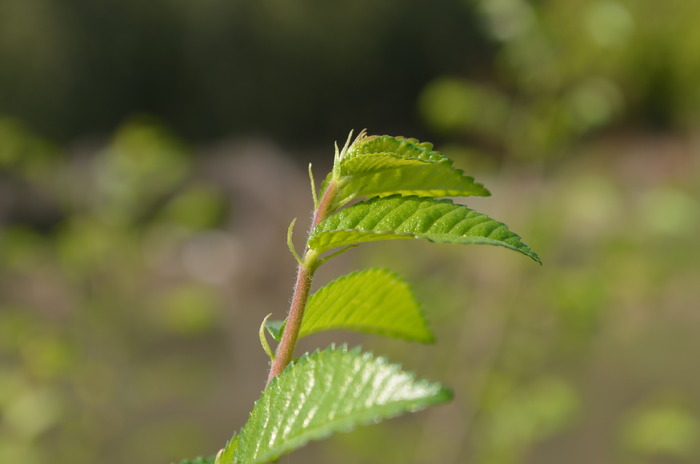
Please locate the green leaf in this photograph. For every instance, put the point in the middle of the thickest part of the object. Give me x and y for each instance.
(384, 165)
(389, 144)
(325, 392)
(373, 301)
(275, 328)
(399, 217)
(387, 176)
(225, 456)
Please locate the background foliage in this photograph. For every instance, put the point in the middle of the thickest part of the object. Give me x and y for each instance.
(138, 254)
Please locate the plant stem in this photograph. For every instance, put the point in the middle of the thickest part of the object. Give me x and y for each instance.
(305, 273)
(285, 350)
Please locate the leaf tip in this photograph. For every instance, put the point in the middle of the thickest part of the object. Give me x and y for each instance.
(534, 256)
(445, 395)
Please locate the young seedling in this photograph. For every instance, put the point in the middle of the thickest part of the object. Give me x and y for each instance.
(336, 389)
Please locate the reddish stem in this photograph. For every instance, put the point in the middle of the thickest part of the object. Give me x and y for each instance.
(322, 211)
(305, 273)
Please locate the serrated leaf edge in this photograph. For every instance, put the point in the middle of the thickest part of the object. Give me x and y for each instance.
(343, 179)
(442, 394)
(360, 142)
(383, 332)
(525, 250)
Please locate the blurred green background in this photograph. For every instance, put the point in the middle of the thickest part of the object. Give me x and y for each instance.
(152, 155)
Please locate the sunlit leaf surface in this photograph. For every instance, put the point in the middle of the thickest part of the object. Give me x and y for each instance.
(329, 391)
(372, 301)
(384, 165)
(399, 217)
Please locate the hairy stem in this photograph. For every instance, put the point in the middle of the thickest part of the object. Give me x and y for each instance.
(324, 206)
(305, 273)
(285, 350)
